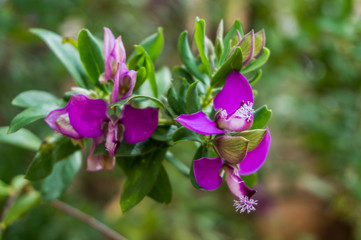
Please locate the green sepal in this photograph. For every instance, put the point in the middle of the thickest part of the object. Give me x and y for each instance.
(258, 62)
(261, 117)
(53, 149)
(254, 137)
(231, 148)
(233, 63)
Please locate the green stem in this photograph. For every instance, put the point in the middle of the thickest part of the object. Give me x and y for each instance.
(166, 121)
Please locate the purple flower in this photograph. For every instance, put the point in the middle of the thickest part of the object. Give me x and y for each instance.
(234, 114)
(84, 117)
(115, 67)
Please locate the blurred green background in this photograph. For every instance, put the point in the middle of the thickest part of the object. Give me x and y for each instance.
(309, 188)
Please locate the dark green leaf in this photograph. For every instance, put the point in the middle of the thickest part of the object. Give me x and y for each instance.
(258, 62)
(162, 190)
(141, 178)
(229, 36)
(250, 180)
(255, 77)
(66, 53)
(91, 56)
(22, 138)
(183, 134)
(261, 117)
(183, 73)
(175, 103)
(64, 171)
(21, 206)
(164, 132)
(32, 114)
(141, 77)
(186, 55)
(152, 44)
(233, 63)
(199, 35)
(192, 99)
(150, 69)
(53, 149)
(32, 98)
(180, 166)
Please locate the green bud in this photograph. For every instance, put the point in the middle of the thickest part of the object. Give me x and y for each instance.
(219, 40)
(233, 149)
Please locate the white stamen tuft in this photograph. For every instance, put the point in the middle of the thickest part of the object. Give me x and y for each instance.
(245, 111)
(245, 204)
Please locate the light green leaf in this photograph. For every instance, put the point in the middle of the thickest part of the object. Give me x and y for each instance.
(261, 117)
(64, 171)
(22, 205)
(235, 62)
(53, 149)
(66, 53)
(34, 113)
(199, 35)
(22, 138)
(258, 62)
(32, 98)
(91, 56)
(164, 77)
(186, 55)
(152, 44)
(192, 99)
(162, 190)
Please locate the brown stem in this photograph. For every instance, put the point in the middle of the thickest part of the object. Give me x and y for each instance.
(106, 231)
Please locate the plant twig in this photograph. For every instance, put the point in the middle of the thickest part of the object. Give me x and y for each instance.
(106, 231)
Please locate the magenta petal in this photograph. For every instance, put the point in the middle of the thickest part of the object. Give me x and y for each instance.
(109, 41)
(124, 82)
(59, 121)
(235, 90)
(87, 115)
(118, 51)
(199, 122)
(207, 172)
(236, 185)
(139, 124)
(255, 158)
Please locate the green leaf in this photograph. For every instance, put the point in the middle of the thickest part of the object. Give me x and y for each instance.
(141, 178)
(258, 62)
(250, 180)
(186, 55)
(229, 36)
(53, 149)
(150, 69)
(152, 44)
(183, 73)
(5, 190)
(164, 133)
(192, 99)
(22, 205)
(261, 117)
(141, 77)
(199, 35)
(164, 77)
(252, 80)
(183, 134)
(32, 98)
(91, 56)
(233, 63)
(162, 190)
(175, 102)
(219, 47)
(180, 166)
(66, 53)
(22, 138)
(254, 137)
(34, 113)
(64, 171)
(231, 148)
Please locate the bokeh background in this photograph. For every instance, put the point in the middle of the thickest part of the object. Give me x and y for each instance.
(310, 186)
